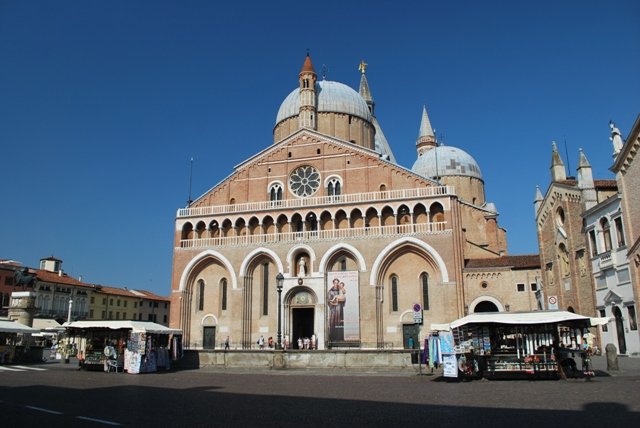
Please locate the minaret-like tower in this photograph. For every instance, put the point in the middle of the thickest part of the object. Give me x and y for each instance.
(537, 202)
(308, 110)
(558, 172)
(364, 90)
(426, 139)
(585, 181)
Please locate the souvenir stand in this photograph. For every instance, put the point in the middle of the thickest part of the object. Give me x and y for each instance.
(11, 333)
(132, 346)
(541, 344)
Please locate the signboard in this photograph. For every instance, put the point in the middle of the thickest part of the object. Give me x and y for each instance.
(552, 303)
(417, 313)
(343, 314)
(450, 365)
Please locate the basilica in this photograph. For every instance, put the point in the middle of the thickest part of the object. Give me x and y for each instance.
(323, 235)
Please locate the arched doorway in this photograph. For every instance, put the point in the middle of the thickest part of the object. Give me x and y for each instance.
(486, 306)
(622, 343)
(302, 309)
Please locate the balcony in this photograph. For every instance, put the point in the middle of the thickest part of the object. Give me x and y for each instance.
(311, 235)
(605, 260)
(353, 198)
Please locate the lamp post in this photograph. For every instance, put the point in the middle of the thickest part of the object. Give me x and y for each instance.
(279, 282)
(70, 305)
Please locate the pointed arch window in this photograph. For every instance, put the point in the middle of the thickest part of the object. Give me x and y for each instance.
(223, 294)
(424, 284)
(394, 293)
(200, 295)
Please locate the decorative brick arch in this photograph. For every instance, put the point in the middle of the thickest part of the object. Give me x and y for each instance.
(362, 265)
(199, 258)
(404, 241)
(254, 253)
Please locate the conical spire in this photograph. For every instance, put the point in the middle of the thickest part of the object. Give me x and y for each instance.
(426, 137)
(582, 161)
(558, 173)
(538, 194)
(307, 67)
(425, 124)
(364, 90)
(537, 202)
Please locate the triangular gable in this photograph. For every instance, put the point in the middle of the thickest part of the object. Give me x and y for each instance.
(298, 136)
(612, 298)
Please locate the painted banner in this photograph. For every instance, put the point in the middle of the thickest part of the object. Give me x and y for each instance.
(343, 306)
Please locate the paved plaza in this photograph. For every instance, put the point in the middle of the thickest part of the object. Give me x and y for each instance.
(57, 395)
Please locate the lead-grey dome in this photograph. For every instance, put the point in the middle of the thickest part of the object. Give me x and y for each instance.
(449, 161)
(331, 97)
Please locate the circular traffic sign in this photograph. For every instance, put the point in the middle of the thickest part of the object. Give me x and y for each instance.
(553, 300)
(416, 307)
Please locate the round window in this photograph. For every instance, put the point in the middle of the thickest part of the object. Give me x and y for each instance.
(304, 181)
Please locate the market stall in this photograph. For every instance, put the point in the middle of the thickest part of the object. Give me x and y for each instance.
(541, 344)
(131, 346)
(11, 335)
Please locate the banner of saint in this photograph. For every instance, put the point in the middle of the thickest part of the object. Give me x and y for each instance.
(343, 307)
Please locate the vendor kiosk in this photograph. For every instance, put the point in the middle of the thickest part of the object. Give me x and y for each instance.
(11, 334)
(541, 344)
(131, 346)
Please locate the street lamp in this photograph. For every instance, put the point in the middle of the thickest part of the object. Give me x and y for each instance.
(279, 282)
(70, 305)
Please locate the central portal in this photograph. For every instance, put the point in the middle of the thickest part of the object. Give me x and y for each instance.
(302, 325)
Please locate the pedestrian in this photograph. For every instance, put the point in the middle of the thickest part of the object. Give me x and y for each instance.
(226, 343)
(299, 343)
(261, 342)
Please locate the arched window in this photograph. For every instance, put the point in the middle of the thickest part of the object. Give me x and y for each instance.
(223, 294)
(606, 234)
(275, 192)
(424, 283)
(334, 187)
(343, 263)
(200, 295)
(394, 293)
(436, 211)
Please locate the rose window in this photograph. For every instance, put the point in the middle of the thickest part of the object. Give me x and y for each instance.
(304, 181)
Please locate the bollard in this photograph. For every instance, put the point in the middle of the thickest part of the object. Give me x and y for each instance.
(612, 357)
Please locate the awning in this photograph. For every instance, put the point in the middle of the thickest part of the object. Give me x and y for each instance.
(600, 321)
(137, 326)
(7, 326)
(537, 317)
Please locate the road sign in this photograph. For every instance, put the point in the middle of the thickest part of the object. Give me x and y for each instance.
(417, 313)
(552, 303)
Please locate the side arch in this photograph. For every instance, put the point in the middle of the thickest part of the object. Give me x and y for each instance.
(403, 241)
(245, 263)
(201, 257)
(322, 266)
(478, 300)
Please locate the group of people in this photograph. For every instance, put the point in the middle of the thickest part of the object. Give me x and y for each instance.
(307, 343)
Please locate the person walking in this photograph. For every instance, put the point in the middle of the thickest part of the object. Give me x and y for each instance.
(226, 344)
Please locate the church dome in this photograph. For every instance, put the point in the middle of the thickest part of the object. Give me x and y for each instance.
(449, 161)
(332, 97)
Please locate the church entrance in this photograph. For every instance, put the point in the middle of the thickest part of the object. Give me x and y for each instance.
(301, 325)
(209, 337)
(622, 343)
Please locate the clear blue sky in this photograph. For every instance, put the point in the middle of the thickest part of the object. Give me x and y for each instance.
(103, 103)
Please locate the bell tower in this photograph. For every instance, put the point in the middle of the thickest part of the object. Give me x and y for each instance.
(308, 111)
